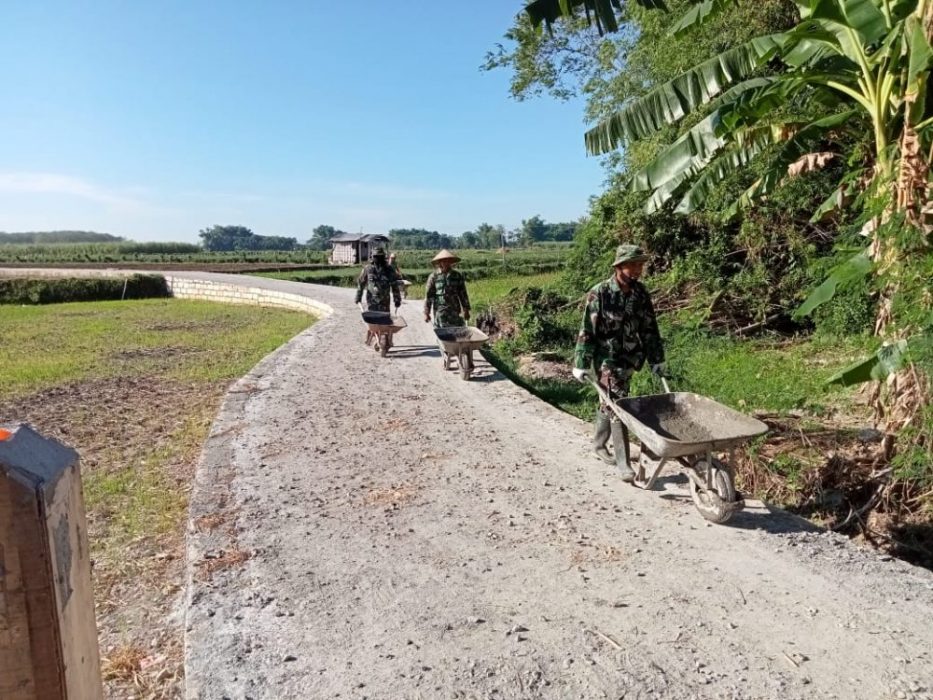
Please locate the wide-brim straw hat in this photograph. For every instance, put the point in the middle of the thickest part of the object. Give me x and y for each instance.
(445, 255)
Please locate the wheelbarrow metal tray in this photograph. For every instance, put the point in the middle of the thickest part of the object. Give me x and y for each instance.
(456, 339)
(383, 322)
(377, 318)
(681, 423)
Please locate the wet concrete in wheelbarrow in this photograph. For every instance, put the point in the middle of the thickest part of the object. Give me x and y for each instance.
(383, 529)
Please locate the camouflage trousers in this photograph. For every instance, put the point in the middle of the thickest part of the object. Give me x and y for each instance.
(617, 381)
(444, 318)
(377, 305)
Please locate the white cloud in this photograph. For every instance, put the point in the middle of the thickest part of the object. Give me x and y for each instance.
(56, 184)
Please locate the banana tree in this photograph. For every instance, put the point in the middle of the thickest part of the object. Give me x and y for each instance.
(855, 63)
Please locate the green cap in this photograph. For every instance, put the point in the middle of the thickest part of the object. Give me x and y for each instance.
(629, 253)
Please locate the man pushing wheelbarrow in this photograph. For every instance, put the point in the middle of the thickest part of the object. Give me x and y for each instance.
(618, 334)
(379, 280)
(446, 293)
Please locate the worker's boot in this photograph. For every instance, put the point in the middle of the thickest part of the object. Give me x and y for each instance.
(621, 448)
(601, 437)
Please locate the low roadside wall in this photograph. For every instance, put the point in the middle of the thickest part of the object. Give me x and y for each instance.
(209, 290)
(190, 286)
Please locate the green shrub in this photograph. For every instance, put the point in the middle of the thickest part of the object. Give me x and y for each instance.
(544, 320)
(68, 289)
(850, 312)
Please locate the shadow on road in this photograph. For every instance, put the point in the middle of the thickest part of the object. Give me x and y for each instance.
(415, 351)
(487, 375)
(758, 515)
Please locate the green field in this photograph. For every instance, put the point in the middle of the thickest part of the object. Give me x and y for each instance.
(48, 345)
(189, 254)
(133, 386)
(485, 292)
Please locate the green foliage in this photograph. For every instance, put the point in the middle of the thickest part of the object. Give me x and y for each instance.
(56, 237)
(227, 238)
(419, 238)
(67, 289)
(131, 252)
(55, 344)
(320, 237)
(545, 320)
(850, 312)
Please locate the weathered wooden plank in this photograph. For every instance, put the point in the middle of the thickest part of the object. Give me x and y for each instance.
(48, 636)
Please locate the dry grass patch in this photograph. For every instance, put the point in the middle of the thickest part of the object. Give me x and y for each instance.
(390, 496)
(226, 559)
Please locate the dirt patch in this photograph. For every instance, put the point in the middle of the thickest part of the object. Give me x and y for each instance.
(132, 433)
(545, 365)
(198, 326)
(159, 353)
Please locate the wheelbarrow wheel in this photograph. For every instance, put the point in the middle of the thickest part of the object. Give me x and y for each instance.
(718, 503)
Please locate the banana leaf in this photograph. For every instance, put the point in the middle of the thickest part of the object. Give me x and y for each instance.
(855, 268)
(885, 361)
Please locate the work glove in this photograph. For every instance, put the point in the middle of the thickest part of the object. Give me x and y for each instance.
(659, 369)
(397, 304)
(427, 318)
(466, 314)
(579, 374)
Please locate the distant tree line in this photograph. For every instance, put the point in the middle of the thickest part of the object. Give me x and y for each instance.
(240, 238)
(533, 230)
(52, 237)
(234, 238)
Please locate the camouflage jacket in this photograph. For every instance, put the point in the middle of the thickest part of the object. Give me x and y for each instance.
(379, 281)
(619, 329)
(446, 293)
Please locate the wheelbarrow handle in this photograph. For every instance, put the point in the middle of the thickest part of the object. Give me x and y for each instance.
(604, 395)
(667, 388)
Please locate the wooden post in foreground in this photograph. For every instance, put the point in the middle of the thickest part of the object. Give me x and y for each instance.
(48, 634)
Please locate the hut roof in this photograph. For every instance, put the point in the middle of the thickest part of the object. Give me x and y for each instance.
(362, 237)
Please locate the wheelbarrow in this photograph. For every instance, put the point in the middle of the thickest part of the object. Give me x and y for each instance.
(381, 326)
(460, 342)
(687, 428)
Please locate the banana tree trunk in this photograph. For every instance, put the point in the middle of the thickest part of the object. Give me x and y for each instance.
(898, 400)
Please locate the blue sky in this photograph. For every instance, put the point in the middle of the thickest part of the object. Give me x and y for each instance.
(156, 119)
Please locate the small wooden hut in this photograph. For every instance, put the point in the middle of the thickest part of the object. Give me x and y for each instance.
(355, 248)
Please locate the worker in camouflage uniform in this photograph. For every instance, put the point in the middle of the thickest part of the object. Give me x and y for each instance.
(379, 280)
(618, 334)
(446, 293)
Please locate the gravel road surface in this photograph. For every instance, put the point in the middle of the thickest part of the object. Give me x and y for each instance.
(378, 528)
